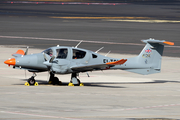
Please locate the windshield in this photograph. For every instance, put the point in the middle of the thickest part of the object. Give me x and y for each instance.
(49, 52)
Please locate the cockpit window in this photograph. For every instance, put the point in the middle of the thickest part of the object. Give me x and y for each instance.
(78, 54)
(62, 53)
(49, 52)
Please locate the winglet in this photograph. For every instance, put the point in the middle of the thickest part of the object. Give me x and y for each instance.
(119, 62)
(169, 43)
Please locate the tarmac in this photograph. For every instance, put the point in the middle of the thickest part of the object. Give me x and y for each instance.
(111, 94)
(106, 95)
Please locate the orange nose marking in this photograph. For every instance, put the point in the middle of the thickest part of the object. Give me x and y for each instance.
(11, 61)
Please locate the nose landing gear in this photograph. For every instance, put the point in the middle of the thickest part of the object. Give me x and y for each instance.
(31, 81)
(54, 80)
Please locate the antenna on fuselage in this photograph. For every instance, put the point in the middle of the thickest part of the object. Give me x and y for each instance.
(107, 53)
(26, 50)
(78, 43)
(99, 50)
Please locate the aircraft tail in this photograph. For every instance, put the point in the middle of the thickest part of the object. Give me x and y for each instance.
(149, 60)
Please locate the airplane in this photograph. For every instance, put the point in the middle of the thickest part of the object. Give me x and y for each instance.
(74, 60)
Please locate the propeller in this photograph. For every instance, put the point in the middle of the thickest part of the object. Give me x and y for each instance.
(48, 62)
(52, 58)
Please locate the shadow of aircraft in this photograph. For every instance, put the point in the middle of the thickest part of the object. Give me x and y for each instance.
(103, 84)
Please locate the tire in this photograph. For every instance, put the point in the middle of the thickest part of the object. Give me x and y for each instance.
(55, 81)
(31, 81)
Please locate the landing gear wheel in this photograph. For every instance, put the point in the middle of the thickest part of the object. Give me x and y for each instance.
(74, 80)
(31, 81)
(55, 81)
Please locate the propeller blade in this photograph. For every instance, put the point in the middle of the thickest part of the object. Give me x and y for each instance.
(46, 59)
(51, 60)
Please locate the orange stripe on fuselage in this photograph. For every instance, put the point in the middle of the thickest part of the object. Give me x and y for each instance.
(119, 62)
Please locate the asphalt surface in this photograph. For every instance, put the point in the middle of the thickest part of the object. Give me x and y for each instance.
(107, 95)
(45, 21)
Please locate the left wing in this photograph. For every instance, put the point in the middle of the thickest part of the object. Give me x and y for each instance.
(84, 68)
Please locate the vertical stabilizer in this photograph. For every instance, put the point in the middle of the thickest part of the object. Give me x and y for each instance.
(149, 60)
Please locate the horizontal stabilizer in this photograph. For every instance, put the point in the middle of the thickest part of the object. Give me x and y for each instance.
(157, 41)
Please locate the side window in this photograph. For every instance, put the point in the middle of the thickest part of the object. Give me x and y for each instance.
(94, 56)
(61, 53)
(49, 52)
(78, 54)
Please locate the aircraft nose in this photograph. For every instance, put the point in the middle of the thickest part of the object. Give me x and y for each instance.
(11, 61)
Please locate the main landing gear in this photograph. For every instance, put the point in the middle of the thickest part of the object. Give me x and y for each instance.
(54, 80)
(31, 81)
(75, 81)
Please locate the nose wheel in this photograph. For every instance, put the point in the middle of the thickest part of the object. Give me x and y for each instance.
(32, 81)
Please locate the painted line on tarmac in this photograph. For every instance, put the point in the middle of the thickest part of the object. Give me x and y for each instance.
(60, 3)
(147, 21)
(100, 17)
(142, 108)
(71, 40)
(37, 115)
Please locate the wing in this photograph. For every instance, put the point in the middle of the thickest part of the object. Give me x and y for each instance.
(84, 68)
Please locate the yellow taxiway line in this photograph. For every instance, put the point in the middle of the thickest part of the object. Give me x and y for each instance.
(101, 17)
(148, 21)
(123, 19)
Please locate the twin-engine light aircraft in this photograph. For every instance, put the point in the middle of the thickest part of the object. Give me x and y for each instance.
(73, 60)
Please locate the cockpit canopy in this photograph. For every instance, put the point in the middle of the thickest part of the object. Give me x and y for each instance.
(62, 53)
(78, 54)
(48, 51)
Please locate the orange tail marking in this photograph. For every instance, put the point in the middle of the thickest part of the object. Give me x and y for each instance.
(169, 43)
